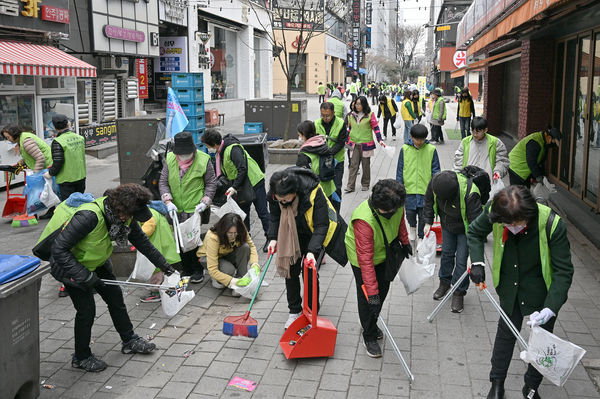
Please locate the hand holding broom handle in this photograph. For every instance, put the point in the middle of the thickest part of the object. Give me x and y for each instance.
(262, 277)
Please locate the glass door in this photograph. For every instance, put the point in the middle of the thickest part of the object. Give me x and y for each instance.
(581, 114)
(593, 150)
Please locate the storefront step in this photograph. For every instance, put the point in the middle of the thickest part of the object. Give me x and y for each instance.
(103, 150)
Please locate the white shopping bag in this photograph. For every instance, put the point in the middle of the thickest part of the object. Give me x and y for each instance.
(389, 151)
(497, 185)
(248, 290)
(143, 268)
(399, 124)
(48, 197)
(190, 233)
(415, 271)
(173, 301)
(553, 357)
(230, 207)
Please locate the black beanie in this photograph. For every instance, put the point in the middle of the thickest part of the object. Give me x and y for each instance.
(445, 184)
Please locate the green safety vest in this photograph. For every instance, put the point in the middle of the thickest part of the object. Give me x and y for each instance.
(73, 146)
(334, 133)
(492, 144)
(44, 148)
(187, 192)
(328, 186)
(361, 132)
(95, 248)
(390, 226)
(464, 191)
(417, 167)
(254, 173)
(338, 106)
(163, 239)
(321, 90)
(436, 110)
(518, 155)
(353, 88)
(498, 230)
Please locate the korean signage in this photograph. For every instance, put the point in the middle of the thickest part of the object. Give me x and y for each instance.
(173, 11)
(35, 15)
(335, 48)
(116, 32)
(99, 134)
(141, 67)
(369, 13)
(288, 14)
(460, 59)
(355, 18)
(173, 54)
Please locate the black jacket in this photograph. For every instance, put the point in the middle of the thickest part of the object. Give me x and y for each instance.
(64, 265)
(449, 210)
(238, 157)
(532, 151)
(311, 241)
(303, 159)
(58, 157)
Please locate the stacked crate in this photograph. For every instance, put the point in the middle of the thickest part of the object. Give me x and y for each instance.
(189, 88)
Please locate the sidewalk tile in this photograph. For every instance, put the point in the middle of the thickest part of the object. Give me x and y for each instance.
(302, 388)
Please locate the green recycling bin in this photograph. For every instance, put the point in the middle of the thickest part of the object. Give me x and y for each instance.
(20, 281)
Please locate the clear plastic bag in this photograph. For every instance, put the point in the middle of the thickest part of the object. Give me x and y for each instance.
(389, 151)
(230, 206)
(33, 190)
(190, 231)
(143, 268)
(416, 270)
(48, 197)
(497, 185)
(248, 290)
(553, 357)
(173, 301)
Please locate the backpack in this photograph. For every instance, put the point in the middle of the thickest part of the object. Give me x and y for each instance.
(481, 180)
(326, 167)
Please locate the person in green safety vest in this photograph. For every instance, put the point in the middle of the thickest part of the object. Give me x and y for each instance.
(382, 213)
(335, 130)
(239, 176)
(354, 90)
(528, 157)
(81, 241)
(483, 150)
(465, 112)
(531, 271)
(457, 201)
(408, 114)
(338, 104)
(35, 152)
(68, 158)
(437, 116)
(321, 92)
(187, 185)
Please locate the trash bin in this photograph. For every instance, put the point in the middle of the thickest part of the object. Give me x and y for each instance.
(256, 146)
(20, 335)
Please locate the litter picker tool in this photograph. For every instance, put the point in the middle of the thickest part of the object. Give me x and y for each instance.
(245, 325)
(387, 332)
(447, 297)
(176, 231)
(509, 323)
(180, 286)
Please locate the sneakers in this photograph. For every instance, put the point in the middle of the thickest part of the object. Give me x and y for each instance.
(137, 344)
(62, 292)
(530, 393)
(365, 188)
(216, 284)
(373, 348)
(91, 364)
(441, 291)
(379, 334)
(458, 299)
(153, 296)
(197, 277)
(291, 318)
(266, 247)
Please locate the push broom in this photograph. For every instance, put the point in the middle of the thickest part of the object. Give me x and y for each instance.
(245, 325)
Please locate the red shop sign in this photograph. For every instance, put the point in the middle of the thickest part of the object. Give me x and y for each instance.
(55, 14)
(141, 65)
(116, 32)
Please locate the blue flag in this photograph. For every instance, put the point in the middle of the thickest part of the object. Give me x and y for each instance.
(176, 119)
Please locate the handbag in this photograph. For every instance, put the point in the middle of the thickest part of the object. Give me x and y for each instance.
(394, 252)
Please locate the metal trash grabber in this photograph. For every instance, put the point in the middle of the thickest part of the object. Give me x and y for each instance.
(509, 323)
(137, 285)
(447, 297)
(176, 231)
(387, 332)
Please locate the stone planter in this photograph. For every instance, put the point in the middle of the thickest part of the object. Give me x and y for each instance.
(286, 156)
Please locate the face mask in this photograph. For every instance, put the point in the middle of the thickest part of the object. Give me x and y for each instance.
(186, 157)
(515, 229)
(211, 150)
(387, 215)
(300, 139)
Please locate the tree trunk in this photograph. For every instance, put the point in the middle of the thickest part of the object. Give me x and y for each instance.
(286, 134)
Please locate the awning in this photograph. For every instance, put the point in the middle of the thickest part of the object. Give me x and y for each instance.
(20, 58)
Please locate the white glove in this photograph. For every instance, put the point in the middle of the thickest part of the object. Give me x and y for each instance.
(201, 207)
(171, 207)
(230, 191)
(539, 318)
(47, 176)
(426, 229)
(233, 282)
(310, 258)
(551, 187)
(272, 247)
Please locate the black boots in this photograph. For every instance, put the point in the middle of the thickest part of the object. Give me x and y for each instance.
(497, 390)
(458, 301)
(441, 291)
(530, 393)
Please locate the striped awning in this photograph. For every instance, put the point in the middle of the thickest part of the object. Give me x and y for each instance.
(19, 58)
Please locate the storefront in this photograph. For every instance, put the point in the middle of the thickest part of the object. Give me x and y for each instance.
(224, 63)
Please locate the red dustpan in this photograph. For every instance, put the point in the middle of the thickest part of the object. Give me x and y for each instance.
(309, 335)
(15, 203)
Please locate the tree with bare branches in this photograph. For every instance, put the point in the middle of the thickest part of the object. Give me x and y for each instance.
(406, 40)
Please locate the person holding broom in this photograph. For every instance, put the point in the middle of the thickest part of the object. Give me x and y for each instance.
(303, 225)
(531, 271)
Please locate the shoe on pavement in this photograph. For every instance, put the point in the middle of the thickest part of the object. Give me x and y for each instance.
(458, 302)
(266, 247)
(373, 348)
(365, 188)
(153, 296)
(197, 277)
(441, 291)
(496, 390)
(62, 292)
(216, 284)
(530, 393)
(91, 364)
(291, 318)
(137, 344)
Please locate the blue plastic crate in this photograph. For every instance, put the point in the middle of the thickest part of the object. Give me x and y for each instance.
(187, 80)
(189, 94)
(195, 122)
(193, 109)
(253, 127)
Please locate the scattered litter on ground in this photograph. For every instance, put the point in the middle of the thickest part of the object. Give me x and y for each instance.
(108, 387)
(48, 386)
(188, 353)
(242, 384)
(150, 337)
(152, 326)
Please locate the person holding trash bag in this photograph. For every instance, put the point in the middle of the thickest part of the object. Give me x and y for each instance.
(239, 175)
(377, 229)
(226, 250)
(531, 271)
(35, 152)
(527, 158)
(81, 241)
(456, 199)
(187, 184)
(482, 150)
(303, 224)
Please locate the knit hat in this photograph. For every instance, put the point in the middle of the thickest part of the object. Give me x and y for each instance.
(184, 144)
(445, 184)
(60, 121)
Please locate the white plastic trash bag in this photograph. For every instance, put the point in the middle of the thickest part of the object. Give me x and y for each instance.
(399, 124)
(190, 233)
(48, 197)
(553, 357)
(389, 151)
(143, 268)
(173, 301)
(416, 270)
(497, 185)
(247, 291)
(230, 207)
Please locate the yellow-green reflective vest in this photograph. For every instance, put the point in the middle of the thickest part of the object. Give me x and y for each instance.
(187, 192)
(327, 186)
(417, 167)
(44, 148)
(338, 106)
(390, 107)
(518, 155)
(162, 238)
(254, 173)
(361, 132)
(463, 185)
(73, 146)
(332, 137)
(404, 111)
(331, 213)
(436, 109)
(492, 144)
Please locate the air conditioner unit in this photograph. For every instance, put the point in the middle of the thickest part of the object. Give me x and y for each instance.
(114, 64)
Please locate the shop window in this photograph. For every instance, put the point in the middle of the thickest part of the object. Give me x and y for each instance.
(580, 113)
(510, 100)
(224, 64)
(567, 120)
(299, 80)
(558, 91)
(53, 106)
(593, 169)
(17, 110)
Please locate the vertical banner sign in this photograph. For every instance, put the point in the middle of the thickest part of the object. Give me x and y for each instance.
(141, 65)
(421, 83)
